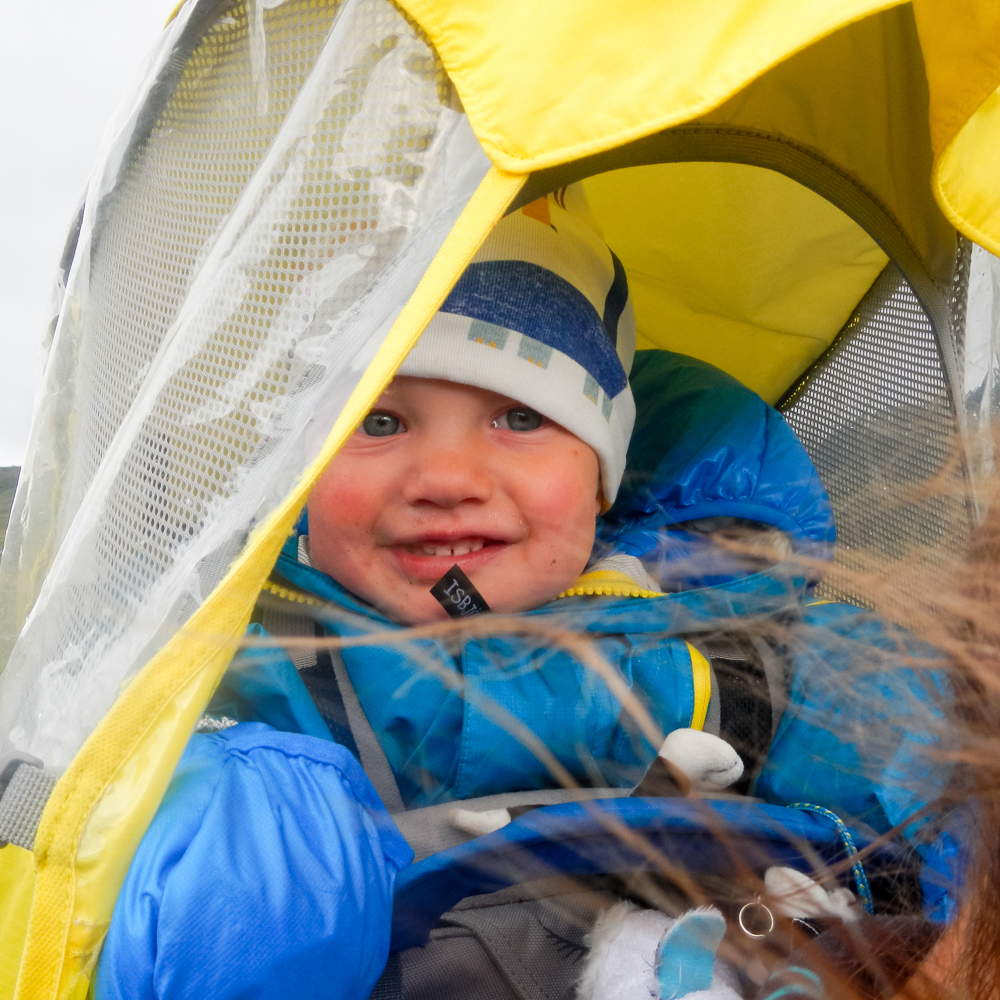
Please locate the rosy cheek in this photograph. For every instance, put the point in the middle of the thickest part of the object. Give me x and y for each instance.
(350, 507)
(341, 502)
(563, 499)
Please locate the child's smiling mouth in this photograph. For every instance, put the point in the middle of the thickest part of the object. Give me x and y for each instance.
(426, 559)
(453, 547)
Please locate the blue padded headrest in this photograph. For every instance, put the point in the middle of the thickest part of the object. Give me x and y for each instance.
(705, 446)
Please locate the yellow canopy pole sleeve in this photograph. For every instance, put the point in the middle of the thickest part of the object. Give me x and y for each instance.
(104, 802)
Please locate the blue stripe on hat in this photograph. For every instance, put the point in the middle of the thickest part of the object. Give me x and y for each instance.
(536, 302)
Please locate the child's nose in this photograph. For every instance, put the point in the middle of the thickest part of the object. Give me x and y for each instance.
(447, 477)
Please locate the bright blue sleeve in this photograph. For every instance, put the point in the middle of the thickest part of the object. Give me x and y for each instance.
(267, 872)
(866, 734)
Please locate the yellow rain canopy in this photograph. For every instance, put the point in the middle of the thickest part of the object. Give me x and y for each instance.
(288, 194)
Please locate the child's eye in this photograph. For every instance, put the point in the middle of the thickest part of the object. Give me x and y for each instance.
(520, 419)
(379, 424)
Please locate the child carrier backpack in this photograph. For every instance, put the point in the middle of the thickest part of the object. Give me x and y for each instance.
(802, 195)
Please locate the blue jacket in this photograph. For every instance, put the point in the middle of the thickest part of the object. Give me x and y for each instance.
(857, 736)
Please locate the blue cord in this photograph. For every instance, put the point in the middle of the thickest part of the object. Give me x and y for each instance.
(857, 869)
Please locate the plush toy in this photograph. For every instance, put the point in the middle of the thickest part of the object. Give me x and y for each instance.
(639, 954)
(642, 954)
(636, 954)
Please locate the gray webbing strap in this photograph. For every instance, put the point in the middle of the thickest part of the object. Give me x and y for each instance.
(373, 758)
(24, 790)
(288, 621)
(429, 829)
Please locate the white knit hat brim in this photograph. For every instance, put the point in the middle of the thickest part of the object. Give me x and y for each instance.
(473, 352)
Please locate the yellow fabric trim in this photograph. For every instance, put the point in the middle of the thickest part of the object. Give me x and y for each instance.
(962, 59)
(803, 100)
(919, 134)
(967, 182)
(103, 803)
(701, 677)
(608, 583)
(17, 878)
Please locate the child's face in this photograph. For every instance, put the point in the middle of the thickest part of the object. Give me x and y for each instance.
(442, 473)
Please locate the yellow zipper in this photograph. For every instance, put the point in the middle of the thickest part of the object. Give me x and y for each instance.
(701, 676)
(296, 596)
(609, 583)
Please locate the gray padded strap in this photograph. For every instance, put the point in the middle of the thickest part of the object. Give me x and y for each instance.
(288, 620)
(23, 800)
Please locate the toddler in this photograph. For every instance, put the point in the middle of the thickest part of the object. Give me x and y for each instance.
(500, 447)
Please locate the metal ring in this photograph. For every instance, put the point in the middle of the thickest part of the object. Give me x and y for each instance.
(743, 926)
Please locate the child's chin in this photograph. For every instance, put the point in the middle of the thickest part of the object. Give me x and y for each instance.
(507, 584)
(414, 610)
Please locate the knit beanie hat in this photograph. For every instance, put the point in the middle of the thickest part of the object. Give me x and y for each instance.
(543, 315)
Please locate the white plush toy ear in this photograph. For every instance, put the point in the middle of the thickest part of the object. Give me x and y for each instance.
(621, 961)
(710, 763)
(478, 823)
(638, 954)
(797, 895)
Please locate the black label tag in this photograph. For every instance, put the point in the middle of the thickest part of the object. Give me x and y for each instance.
(458, 595)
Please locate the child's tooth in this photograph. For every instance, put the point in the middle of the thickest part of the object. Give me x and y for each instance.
(441, 550)
(461, 550)
(475, 546)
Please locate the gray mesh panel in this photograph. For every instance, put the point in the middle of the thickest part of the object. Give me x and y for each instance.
(269, 202)
(877, 418)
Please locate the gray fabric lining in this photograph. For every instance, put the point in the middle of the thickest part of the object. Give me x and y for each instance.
(289, 622)
(527, 942)
(628, 565)
(776, 670)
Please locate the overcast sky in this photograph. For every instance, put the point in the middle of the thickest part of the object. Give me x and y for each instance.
(63, 68)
